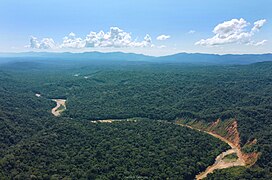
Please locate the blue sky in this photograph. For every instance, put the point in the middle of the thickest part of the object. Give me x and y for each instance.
(46, 23)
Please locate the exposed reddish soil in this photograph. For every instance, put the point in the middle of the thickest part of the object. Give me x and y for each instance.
(215, 123)
(232, 137)
(233, 134)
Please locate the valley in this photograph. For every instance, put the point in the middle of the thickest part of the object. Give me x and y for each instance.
(230, 105)
(135, 90)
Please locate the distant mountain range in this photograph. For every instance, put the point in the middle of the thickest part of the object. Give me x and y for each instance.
(193, 58)
(216, 59)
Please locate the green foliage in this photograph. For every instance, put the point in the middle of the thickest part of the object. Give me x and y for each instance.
(29, 132)
(230, 157)
(81, 149)
(237, 173)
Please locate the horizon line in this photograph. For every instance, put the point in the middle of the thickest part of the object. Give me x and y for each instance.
(108, 52)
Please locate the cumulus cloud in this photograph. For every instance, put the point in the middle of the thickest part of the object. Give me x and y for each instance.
(233, 31)
(147, 42)
(116, 38)
(34, 43)
(71, 41)
(45, 43)
(163, 37)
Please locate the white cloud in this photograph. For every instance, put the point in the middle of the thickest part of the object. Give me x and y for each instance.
(163, 37)
(72, 34)
(71, 41)
(191, 32)
(147, 42)
(258, 25)
(45, 43)
(34, 43)
(233, 31)
(116, 38)
(260, 43)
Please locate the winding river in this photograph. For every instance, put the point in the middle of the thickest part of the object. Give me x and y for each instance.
(220, 163)
(56, 111)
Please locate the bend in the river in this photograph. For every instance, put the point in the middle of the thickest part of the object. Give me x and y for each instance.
(219, 161)
(60, 102)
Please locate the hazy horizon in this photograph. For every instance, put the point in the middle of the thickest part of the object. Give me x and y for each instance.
(137, 53)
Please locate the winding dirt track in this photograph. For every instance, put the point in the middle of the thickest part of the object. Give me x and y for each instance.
(219, 162)
(60, 102)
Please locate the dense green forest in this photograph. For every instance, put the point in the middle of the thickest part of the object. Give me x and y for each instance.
(119, 150)
(33, 141)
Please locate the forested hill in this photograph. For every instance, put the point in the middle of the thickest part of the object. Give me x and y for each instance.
(158, 91)
(215, 59)
(193, 58)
